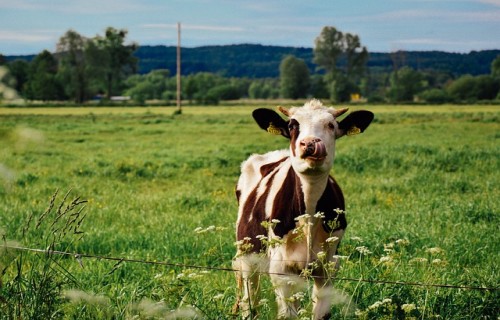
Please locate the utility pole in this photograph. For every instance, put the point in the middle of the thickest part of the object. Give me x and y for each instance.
(179, 108)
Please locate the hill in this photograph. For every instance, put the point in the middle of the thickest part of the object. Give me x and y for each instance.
(259, 61)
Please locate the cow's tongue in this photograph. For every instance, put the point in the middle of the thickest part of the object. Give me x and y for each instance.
(316, 151)
(319, 150)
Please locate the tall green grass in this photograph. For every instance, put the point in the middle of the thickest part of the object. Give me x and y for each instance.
(421, 186)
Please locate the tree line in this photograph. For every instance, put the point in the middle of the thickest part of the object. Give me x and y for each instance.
(84, 69)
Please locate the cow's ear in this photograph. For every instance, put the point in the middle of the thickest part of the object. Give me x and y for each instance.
(271, 121)
(355, 122)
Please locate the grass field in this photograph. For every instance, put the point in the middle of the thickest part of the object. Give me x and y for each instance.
(422, 187)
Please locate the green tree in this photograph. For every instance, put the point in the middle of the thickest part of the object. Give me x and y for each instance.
(146, 87)
(329, 45)
(435, 96)
(263, 89)
(332, 46)
(7, 84)
(294, 78)
(319, 87)
(42, 83)
(19, 70)
(118, 59)
(405, 83)
(463, 89)
(73, 68)
(495, 68)
(487, 87)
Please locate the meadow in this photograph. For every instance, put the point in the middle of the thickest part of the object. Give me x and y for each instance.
(422, 188)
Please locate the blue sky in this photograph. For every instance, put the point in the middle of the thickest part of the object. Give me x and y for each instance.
(30, 26)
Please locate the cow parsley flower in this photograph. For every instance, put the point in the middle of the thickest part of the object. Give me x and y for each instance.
(304, 216)
(403, 242)
(357, 239)
(374, 306)
(319, 215)
(434, 250)
(363, 250)
(408, 307)
(219, 296)
(419, 260)
(386, 259)
(321, 255)
(331, 239)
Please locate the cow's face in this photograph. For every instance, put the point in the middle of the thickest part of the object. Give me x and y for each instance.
(312, 130)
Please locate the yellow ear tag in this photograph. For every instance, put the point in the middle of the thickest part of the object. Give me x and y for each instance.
(353, 131)
(273, 129)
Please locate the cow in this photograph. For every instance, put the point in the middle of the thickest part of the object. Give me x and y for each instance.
(291, 211)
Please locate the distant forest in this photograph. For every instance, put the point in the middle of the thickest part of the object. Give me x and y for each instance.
(260, 61)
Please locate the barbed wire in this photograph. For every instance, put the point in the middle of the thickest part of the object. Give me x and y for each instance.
(79, 256)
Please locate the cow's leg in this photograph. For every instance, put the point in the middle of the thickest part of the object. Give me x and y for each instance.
(323, 287)
(248, 277)
(322, 298)
(285, 286)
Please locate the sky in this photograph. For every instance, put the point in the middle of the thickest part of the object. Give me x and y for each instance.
(31, 26)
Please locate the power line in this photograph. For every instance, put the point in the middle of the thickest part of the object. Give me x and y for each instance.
(79, 256)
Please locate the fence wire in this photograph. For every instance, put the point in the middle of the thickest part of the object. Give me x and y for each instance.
(78, 257)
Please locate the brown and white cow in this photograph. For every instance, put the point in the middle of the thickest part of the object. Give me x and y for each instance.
(291, 209)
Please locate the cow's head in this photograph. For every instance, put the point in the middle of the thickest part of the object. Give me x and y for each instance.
(312, 130)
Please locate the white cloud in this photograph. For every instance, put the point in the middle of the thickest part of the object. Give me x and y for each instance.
(185, 26)
(74, 6)
(470, 16)
(20, 36)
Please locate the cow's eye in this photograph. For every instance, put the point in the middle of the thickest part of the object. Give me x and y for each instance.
(331, 126)
(293, 125)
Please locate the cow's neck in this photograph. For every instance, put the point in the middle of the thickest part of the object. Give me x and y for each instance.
(313, 187)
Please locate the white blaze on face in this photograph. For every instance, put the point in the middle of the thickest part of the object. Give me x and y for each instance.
(312, 141)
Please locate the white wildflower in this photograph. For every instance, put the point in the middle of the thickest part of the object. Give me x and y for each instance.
(198, 230)
(386, 259)
(304, 216)
(332, 239)
(434, 250)
(321, 255)
(319, 215)
(339, 211)
(438, 262)
(363, 250)
(419, 260)
(302, 312)
(219, 296)
(357, 239)
(408, 307)
(359, 313)
(375, 305)
(275, 221)
(341, 257)
(403, 242)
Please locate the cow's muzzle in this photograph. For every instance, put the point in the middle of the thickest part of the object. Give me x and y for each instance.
(313, 149)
